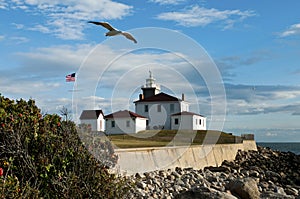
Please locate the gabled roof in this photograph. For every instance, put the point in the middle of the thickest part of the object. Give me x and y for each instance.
(186, 113)
(90, 114)
(123, 114)
(161, 97)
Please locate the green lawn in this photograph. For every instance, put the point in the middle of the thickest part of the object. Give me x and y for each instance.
(153, 138)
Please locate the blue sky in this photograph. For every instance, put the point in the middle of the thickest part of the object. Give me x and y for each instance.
(253, 44)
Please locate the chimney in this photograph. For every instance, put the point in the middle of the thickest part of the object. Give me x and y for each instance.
(141, 96)
(182, 97)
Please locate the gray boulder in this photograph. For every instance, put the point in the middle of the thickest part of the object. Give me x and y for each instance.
(272, 195)
(291, 191)
(204, 193)
(244, 188)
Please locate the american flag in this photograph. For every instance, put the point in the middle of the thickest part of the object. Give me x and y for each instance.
(70, 77)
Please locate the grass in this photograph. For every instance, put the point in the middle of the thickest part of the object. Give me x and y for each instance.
(153, 138)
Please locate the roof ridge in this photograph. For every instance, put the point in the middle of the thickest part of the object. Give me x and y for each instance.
(123, 113)
(159, 97)
(186, 113)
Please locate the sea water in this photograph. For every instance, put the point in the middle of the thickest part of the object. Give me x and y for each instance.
(293, 147)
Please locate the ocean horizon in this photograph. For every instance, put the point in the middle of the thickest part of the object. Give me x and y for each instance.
(293, 147)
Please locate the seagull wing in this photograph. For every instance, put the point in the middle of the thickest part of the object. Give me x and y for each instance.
(104, 24)
(129, 36)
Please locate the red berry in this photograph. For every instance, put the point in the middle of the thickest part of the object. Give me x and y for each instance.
(1, 171)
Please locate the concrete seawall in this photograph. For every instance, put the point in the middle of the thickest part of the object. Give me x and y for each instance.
(140, 160)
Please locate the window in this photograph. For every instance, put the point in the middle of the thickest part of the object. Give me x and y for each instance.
(176, 121)
(113, 124)
(158, 108)
(127, 123)
(146, 109)
(172, 107)
(199, 121)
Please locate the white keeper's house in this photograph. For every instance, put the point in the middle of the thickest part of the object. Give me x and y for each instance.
(93, 118)
(153, 110)
(124, 122)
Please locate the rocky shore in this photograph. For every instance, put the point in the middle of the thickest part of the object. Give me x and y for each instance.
(254, 174)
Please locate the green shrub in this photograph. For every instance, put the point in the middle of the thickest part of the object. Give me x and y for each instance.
(43, 156)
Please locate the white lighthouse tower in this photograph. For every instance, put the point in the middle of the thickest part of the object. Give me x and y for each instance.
(150, 88)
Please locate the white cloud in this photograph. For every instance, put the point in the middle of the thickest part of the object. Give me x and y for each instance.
(94, 98)
(40, 28)
(54, 105)
(200, 16)
(18, 26)
(249, 100)
(2, 37)
(271, 134)
(292, 30)
(168, 2)
(23, 87)
(286, 94)
(19, 40)
(3, 4)
(67, 19)
(49, 61)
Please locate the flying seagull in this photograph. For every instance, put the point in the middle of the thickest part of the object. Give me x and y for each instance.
(112, 31)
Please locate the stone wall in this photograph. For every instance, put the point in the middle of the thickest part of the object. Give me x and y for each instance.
(140, 160)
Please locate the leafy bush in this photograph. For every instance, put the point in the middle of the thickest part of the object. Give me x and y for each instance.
(42, 156)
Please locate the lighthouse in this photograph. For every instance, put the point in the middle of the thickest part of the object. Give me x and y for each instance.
(150, 88)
